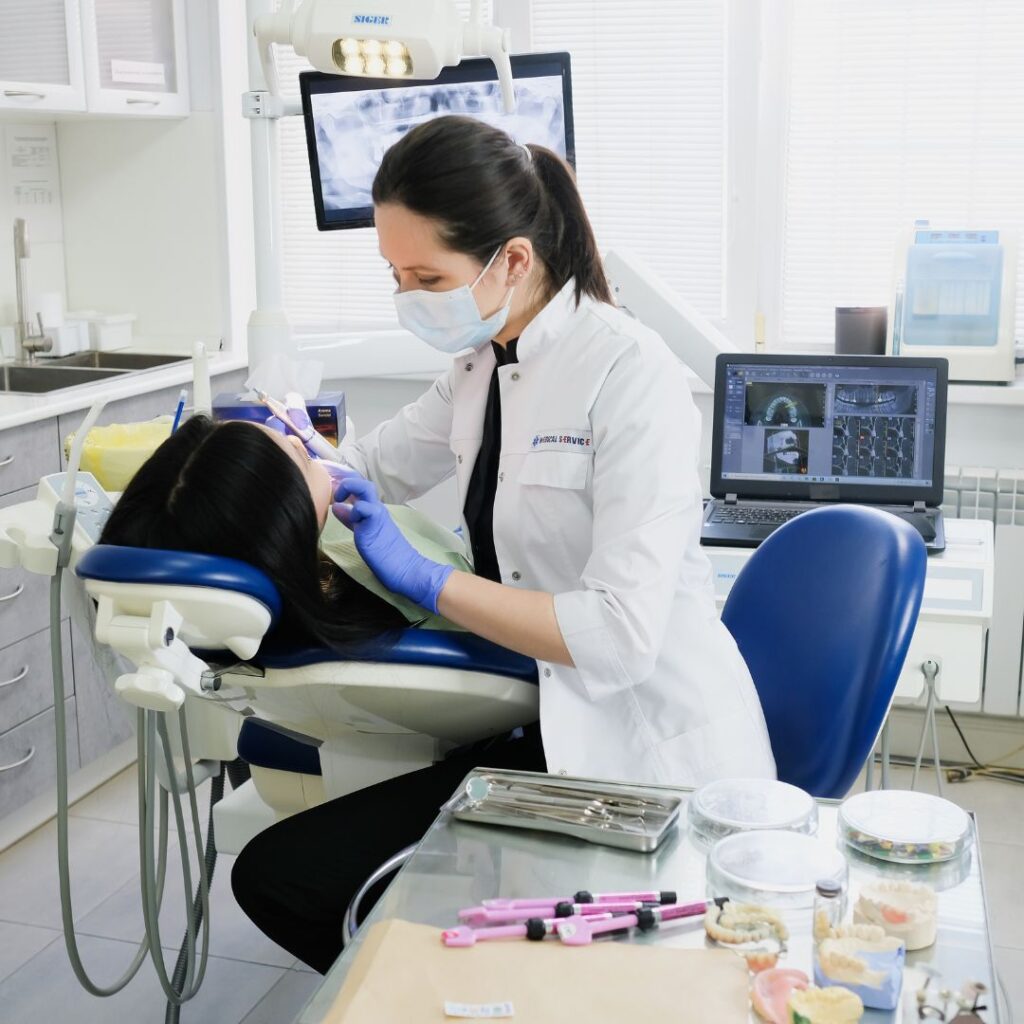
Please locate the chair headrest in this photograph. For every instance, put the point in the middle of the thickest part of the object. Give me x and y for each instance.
(115, 564)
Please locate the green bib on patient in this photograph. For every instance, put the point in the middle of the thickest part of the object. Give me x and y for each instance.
(426, 536)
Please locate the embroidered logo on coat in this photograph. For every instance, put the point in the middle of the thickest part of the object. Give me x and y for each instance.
(563, 441)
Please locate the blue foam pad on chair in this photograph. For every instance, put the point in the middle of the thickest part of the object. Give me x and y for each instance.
(433, 647)
(115, 564)
(268, 745)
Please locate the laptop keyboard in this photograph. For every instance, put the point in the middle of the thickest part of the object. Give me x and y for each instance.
(754, 515)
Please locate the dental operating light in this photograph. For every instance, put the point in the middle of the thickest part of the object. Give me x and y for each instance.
(411, 39)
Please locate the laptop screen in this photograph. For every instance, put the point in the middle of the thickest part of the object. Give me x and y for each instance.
(829, 427)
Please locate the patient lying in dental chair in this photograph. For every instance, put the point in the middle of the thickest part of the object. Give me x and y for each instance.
(242, 491)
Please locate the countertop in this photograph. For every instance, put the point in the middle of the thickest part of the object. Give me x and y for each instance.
(16, 410)
(358, 355)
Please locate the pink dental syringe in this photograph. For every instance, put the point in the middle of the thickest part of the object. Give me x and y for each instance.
(663, 896)
(581, 931)
(535, 929)
(561, 910)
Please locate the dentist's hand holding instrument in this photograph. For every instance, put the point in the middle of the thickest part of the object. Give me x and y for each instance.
(394, 561)
(292, 414)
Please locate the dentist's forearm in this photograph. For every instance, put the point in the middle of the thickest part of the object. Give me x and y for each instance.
(522, 620)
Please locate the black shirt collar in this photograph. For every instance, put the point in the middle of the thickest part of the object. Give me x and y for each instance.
(505, 354)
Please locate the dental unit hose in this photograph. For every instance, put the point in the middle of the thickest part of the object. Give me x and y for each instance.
(152, 733)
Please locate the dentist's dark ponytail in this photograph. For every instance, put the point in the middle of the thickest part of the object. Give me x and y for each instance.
(482, 189)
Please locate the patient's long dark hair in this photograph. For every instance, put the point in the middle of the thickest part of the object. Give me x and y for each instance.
(227, 489)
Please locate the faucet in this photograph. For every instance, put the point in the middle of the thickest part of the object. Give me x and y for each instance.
(28, 342)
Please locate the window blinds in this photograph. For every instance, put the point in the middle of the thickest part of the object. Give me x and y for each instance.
(649, 91)
(897, 111)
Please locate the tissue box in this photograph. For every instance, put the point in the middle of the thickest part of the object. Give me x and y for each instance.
(326, 412)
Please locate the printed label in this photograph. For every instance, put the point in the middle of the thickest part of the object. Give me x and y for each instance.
(478, 1011)
(562, 441)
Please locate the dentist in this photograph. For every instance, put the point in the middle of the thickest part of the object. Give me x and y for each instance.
(574, 441)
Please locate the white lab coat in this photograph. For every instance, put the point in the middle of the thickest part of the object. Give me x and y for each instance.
(598, 503)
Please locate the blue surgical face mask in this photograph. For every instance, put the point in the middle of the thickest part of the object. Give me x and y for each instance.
(451, 321)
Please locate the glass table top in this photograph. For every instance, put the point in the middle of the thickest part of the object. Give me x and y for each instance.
(458, 864)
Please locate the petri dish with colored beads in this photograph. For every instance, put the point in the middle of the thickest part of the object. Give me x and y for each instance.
(904, 827)
(772, 867)
(727, 806)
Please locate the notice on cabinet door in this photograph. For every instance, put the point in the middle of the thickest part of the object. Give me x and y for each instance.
(34, 176)
(138, 72)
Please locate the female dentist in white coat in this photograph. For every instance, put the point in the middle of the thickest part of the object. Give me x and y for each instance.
(574, 441)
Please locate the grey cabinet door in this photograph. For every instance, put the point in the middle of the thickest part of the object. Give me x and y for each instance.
(24, 596)
(26, 677)
(26, 454)
(28, 758)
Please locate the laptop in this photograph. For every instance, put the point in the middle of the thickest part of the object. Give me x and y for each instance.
(792, 433)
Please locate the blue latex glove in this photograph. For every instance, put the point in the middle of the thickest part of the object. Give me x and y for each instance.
(394, 561)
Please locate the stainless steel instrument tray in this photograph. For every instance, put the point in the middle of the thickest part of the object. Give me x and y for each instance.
(609, 813)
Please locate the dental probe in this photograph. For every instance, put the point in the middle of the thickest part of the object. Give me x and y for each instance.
(296, 420)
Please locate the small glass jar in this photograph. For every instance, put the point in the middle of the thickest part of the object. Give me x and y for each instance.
(829, 907)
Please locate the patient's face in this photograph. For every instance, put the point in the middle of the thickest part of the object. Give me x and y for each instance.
(318, 481)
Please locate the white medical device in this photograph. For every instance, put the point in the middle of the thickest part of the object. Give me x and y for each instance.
(954, 297)
(687, 332)
(412, 39)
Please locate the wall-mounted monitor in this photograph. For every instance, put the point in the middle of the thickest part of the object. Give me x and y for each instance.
(351, 122)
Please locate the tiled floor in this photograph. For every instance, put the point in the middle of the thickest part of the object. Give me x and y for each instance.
(250, 980)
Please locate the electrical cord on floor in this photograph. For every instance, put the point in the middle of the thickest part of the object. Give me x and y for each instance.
(993, 770)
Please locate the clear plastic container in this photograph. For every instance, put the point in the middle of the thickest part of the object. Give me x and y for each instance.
(772, 867)
(905, 827)
(728, 806)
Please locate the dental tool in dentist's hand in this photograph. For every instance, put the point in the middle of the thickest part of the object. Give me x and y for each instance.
(292, 413)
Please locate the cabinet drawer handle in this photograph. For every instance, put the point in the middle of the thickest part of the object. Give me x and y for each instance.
(17, 764)
(7, 461)
(22, 94)
(13, 594)
(148, 103)
(17, 679)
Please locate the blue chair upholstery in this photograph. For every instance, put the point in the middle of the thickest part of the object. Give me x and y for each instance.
(823, 613)
(116, 564)
(440, 648)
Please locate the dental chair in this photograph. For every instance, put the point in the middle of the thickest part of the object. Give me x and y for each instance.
(310, 726)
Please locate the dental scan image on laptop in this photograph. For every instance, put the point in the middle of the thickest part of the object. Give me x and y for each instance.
(793, 432)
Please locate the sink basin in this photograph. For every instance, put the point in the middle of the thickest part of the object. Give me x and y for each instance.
(37, 380)
(117, 360)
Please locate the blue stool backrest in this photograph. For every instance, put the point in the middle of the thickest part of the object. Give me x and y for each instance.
(823, 613)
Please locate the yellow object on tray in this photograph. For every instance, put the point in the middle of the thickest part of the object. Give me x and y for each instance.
(403, 973)
(113, 454)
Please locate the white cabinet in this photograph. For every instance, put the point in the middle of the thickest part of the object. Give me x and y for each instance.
(135, 59)
(41, 55)
(126, 57)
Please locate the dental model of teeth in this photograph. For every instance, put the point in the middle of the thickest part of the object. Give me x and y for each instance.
(825, 1006)
(904, 910)
(845, 959)
(737, 923)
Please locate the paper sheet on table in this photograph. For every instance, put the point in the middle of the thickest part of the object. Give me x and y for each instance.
(404, 973)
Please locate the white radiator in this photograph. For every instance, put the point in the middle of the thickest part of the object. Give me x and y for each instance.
(997, 495)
